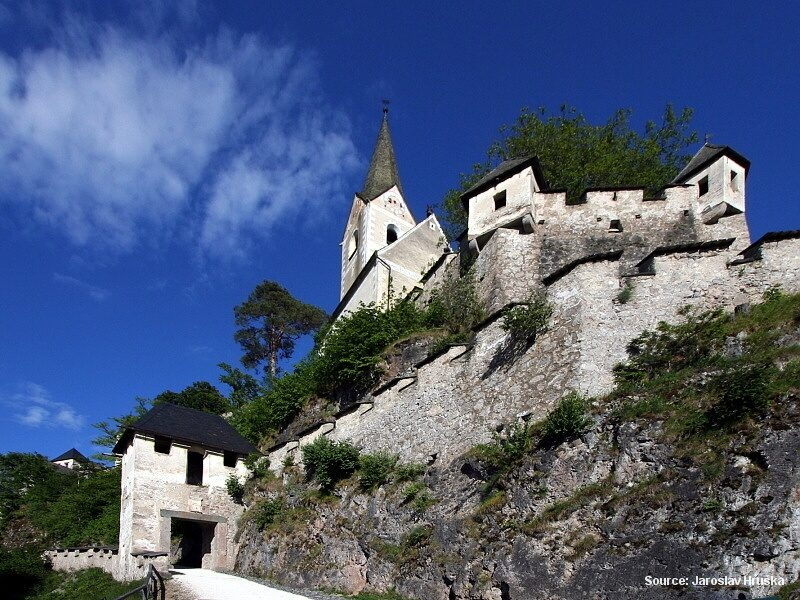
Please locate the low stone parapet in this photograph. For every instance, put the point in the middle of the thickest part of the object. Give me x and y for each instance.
(84, 557)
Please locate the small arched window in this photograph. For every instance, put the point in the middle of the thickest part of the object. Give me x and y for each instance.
(352, 245)
(391, 234)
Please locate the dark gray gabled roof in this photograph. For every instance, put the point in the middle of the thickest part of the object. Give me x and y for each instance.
(707, 155)
(187, 425)
(73, 454)
(505, 169)
(382, 173)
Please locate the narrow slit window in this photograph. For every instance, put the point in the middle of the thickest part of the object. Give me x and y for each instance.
(734, 181)
(352, 245)
(499, 200)
(703, 186)
(162, 445)
(229, 459)
(194, 468)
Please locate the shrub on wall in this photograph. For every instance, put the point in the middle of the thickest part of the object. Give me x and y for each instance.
(568, 420)
(375, 469)
(348, 363)
(329, 462)
(529, 320)
(235, 488)
(455, 305)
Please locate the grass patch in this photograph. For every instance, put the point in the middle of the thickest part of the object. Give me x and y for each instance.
(562, 509)
(90, 583)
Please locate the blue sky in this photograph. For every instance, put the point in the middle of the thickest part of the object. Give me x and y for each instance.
(156, 164)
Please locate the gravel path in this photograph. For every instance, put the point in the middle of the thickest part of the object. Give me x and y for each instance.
(203, 584)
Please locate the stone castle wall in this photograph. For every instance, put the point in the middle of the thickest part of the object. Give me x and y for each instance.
(456, 400)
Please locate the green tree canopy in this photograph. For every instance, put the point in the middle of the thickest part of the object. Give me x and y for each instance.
(200, 395)
(64, 508)
(269, 322)
(244, 387)
(576, 155)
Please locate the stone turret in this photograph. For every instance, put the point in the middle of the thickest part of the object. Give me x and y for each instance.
(719, 172)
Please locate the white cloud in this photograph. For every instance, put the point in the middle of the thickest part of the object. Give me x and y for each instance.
(113, 137)
(31, 405)
(96, 293)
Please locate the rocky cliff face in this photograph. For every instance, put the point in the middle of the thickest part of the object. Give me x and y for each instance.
(590, 518)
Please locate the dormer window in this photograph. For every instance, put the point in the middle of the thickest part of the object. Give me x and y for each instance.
(702, 186)
(499, 200)
(391, 234)
(352, 245)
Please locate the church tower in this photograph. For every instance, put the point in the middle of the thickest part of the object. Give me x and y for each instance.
(379, 215)
(385, 252)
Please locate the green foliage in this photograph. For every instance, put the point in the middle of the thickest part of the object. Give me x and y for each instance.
(86, 511)
(258, 465)
(740, 392)
(348, 365)
(22, 571)
(455, 305)
(506, 450)
(375, 469)
(200, 395)
(408, 472)
(90, 583)
(562, 509)
(69, 508)
(235, 488)
(417, 536)
(267, 512)
(626, 293)
(276, 407)
(269, 322)
(346, 362)
(25, 476)
(329, 462)
(423, 500)
(244, 387)
(576, 155)
(695, 342)
(566, 421)
(713, 377)
(111, 430)
(529, 320)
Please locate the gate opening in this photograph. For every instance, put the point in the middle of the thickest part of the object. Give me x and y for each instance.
(190, 541)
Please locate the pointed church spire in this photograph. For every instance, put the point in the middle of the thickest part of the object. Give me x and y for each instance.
(382, 172)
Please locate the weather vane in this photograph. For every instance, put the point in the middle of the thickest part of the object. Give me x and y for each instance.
(386, 102)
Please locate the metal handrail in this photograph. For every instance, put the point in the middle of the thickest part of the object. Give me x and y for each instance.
(152, 588)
